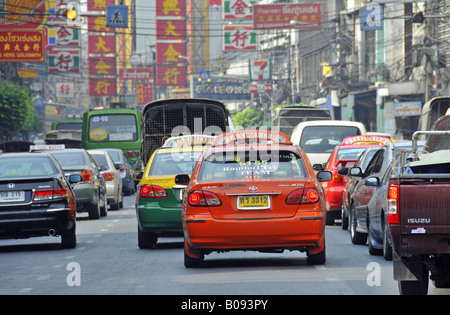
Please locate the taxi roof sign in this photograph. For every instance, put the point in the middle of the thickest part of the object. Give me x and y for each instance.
(188, 140)
(40, 147)
(366, 140)
(256, 135)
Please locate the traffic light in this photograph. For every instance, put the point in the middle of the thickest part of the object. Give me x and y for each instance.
(73, 14)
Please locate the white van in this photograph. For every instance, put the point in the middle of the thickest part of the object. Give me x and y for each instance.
(319, 137)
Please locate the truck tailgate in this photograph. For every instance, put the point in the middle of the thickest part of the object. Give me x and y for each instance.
(425, 204)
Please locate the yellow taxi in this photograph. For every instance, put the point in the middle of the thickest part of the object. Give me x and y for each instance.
(158, 197)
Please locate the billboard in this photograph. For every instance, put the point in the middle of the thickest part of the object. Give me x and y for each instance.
(22, 45)
(306, 16)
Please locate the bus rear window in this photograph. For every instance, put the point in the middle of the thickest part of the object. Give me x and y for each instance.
(112, 127)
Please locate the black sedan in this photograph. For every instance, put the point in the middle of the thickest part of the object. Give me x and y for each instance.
(36, 198)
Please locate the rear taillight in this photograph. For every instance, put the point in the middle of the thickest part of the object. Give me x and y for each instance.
(86, 176)
(108, 176)
(393, 215)
(303, 197)
(199, 198)
(152, 191)
(50, 194)
(337, 178)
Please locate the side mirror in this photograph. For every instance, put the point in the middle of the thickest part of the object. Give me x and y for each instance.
(75, 178)
(318, 167)
(343, 171)
(356, 171)
(137, 175)
(373, 181)
(324, 176)
(182, 179)
(119, 166)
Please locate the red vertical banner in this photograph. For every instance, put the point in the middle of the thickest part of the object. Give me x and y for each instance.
(102, 87)
(171, 43)
(144, 93)
(99, 5)
(170, 52)
(174, 9)
(171, 76)
(101, 44)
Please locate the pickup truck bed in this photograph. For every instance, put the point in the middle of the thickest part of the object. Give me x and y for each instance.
(424, 226)
(419, 222)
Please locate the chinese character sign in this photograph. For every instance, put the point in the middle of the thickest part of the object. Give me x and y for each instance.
(101, 45)
(239, 37)
(238, 9)
(170, 42)
(144, 93)
(270, 16)
(102, 87)
(26, 46)
(170, 8)
(64, 60)
(171, 76)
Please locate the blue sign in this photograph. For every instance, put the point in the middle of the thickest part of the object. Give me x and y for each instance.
(222, 89)
(38, 102)
(204, 75)
(371, 17)
(117, 16)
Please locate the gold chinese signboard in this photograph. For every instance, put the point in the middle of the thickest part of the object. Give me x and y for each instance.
(22, 45)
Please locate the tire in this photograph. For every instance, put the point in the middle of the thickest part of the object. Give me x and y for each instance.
(419, 287)
(94, 210)
(104, 209)
(387, 248)
(344, 223)
(116, 206)
(191, 262)
(356, 237)
(69, 238)
(331, 217)
(317, 259)
(372, 250)
(146, 240)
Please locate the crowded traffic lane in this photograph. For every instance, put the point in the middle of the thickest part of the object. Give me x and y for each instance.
(107, 260)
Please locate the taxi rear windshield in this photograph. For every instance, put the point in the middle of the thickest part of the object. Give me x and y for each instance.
(252, 165)
(173, 163)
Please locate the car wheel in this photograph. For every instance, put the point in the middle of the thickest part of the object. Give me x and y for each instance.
(387, 247)
(372, 250)
(69, 238)
(344, 222)
(190, 261)
(104, 208)
(94, 210)
(331, 217)
(317, 259)
(356, 237)
(116, 206)
(146, 240)
(419, 287)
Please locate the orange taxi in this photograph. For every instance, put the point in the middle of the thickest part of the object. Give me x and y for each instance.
(253, 190)
(344, 155)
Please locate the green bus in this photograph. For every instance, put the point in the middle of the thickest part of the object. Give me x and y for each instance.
(113, 128)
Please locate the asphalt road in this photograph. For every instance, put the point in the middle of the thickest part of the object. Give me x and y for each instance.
(107, 260)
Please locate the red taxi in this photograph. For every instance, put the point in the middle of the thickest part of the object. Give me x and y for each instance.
(344, 155)
(253, 190)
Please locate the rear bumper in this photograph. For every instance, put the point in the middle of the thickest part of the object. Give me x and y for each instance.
(304, 231)
(16, 224)
(407, 245)
(334, 198)
(157, 219)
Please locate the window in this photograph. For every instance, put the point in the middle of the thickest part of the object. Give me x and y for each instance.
(252, 165)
